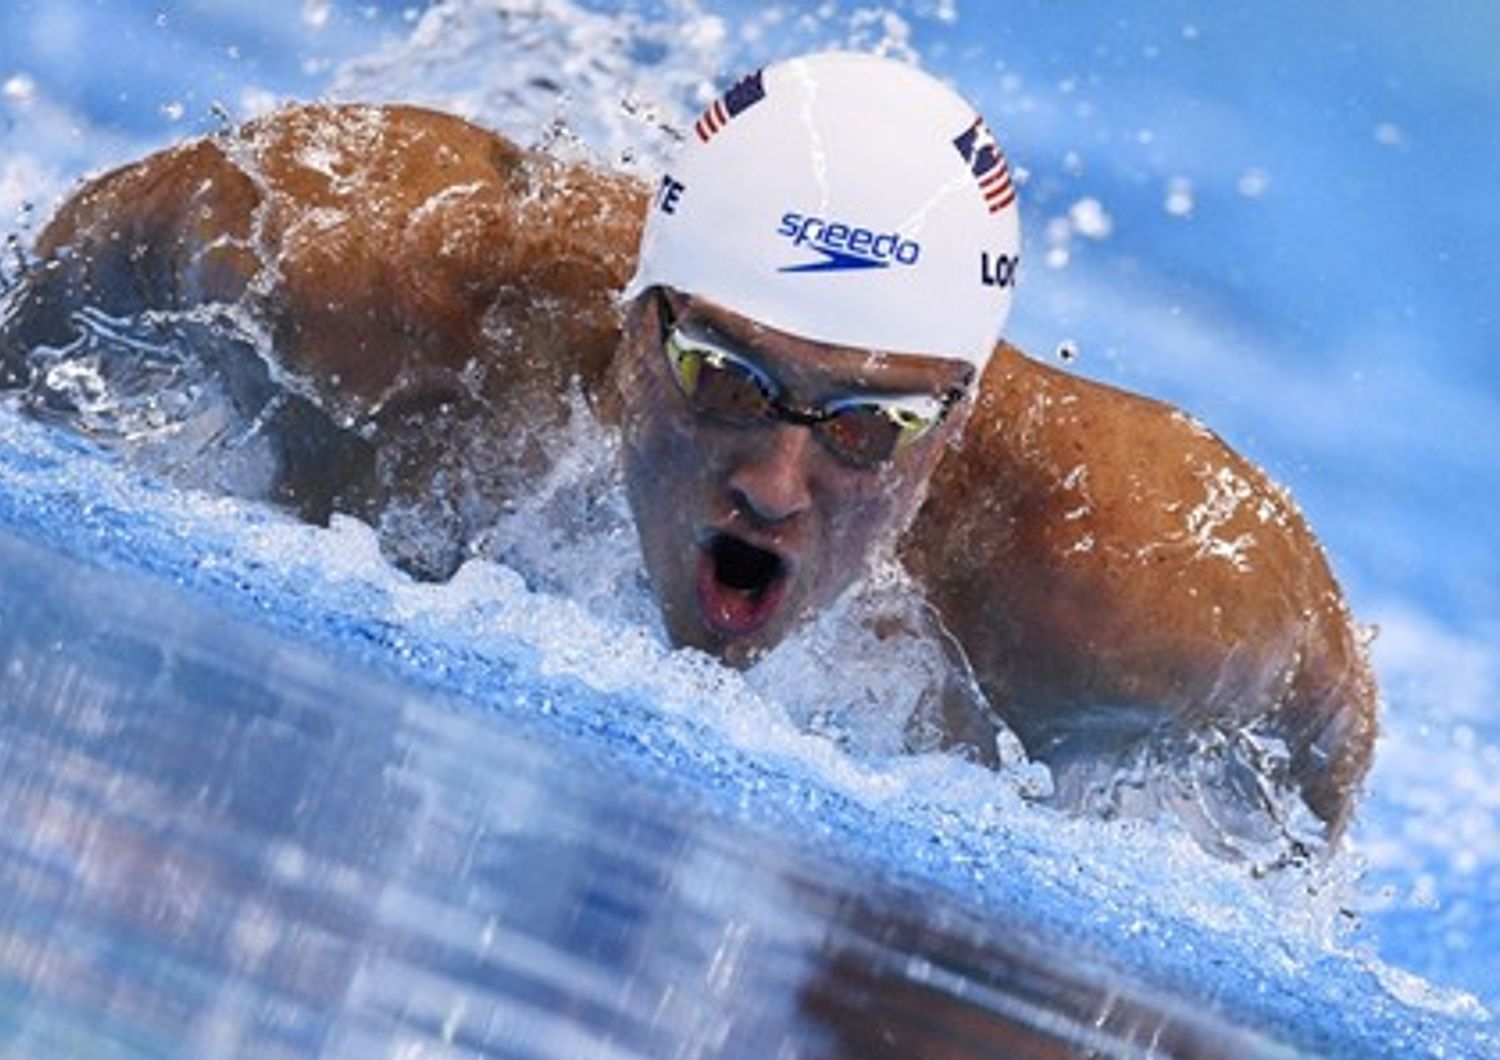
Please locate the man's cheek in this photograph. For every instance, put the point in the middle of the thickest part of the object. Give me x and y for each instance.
(870, 505)
(657, 444)
(851, 526)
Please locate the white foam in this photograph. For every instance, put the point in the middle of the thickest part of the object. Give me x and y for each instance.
(1133, 869)
(552, 72)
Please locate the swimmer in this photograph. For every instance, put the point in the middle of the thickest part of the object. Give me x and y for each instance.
(806, 369)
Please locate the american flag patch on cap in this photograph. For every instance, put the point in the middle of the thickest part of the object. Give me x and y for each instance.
(980, 151)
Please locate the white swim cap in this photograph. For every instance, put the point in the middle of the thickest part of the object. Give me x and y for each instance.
(847, 199)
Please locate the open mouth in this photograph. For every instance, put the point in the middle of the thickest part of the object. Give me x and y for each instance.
(740, 586)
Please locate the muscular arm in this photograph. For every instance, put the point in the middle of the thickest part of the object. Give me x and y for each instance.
(384, 247)
(1111, 566)
(160, 234)
(405, 280)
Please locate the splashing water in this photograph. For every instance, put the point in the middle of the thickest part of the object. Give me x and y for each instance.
(556, 587)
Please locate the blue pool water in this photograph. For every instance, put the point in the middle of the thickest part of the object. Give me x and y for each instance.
(221, 840)
(1276, 217)
(263, 795)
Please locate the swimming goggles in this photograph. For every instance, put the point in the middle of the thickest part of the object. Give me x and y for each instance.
(862, 431)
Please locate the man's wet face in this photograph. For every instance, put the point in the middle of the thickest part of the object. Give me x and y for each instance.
(749, 528)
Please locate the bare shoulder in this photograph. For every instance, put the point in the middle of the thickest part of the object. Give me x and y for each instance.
(1102, 554)
(381, 245)
(1127, 482)
(395, 291)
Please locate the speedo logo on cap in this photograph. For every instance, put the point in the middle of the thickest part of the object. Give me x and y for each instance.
(844, 246)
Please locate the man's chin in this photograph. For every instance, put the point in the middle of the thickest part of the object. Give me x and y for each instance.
(740, 651)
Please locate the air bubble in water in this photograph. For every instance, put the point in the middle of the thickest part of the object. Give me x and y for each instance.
(1253, 183)
(1090, 220)
(1179, 200)
(20, 89)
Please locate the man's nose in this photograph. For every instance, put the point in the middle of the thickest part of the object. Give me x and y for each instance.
(771, 484)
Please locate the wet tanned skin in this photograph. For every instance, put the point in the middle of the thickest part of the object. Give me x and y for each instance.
(1107, 565)
(427, 284)
(1105, 560)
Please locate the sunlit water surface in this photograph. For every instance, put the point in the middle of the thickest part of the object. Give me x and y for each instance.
(220, 843)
